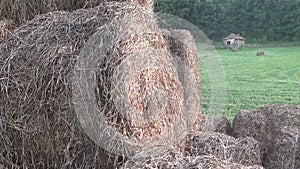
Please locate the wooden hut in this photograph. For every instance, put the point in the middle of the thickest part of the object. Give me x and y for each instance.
(234, 41)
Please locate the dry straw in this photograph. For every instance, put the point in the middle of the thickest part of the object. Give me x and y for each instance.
(6, 28)
(244, 151)
(209, 123)
(39, 128)
(183, 49)
(172, 159)
(276, 127)
(139, 90)
(21, 11)
(216, 124)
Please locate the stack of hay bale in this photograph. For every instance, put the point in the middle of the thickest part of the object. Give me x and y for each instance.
(138, 91)
(276, 127)
(144, 82)
(39, 128)
(22, 11)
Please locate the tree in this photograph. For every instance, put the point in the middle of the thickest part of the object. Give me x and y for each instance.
(256, 20)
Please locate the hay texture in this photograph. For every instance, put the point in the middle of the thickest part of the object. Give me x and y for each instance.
(6, 28)
(138, 86)
(172, 159)
(39, 128)
(218, 124)
(140, 97)
(276, 127)
(21, 11)
(183, 49)
(210, 123)
(244, 151)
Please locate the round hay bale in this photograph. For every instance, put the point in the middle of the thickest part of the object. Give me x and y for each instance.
(260, 53)
(244, 151)
(276, 127)
(172, 159)
(183, 49)
(249, 123)
(24, 10)
(39, 127)
(139, 96)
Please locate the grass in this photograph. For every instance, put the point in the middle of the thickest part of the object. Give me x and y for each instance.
(252, 81)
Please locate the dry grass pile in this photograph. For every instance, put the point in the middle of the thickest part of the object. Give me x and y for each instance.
(39, 128)
(139, 95)
(218, 124)
(21, 11)
(183, 49)
(208, 123)
(244, 151)
(276, 127)
(6, 28)
(138, 86)
(173, 159)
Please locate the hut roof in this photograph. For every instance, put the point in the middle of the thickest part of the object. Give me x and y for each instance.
(234, 36)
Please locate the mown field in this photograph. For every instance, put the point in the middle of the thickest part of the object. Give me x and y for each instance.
(252, 81)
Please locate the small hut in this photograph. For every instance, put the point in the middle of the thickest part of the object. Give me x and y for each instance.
(234, 41)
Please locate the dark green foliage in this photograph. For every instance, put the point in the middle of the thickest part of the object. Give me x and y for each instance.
(256, 20)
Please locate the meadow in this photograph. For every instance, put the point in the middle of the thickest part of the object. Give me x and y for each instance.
(252, 81)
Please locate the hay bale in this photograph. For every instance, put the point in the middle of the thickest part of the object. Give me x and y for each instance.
(260, 53)
(138, 90)
(39, 128)
(183, 49)
(244, 151)
(276, 127)
(24, 10)
(172, 159)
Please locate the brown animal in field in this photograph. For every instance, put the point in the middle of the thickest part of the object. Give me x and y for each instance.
(260, 53)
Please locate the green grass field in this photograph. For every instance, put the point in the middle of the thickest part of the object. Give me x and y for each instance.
(252, 81)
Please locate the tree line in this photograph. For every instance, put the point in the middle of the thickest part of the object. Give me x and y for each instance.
(259, 21)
